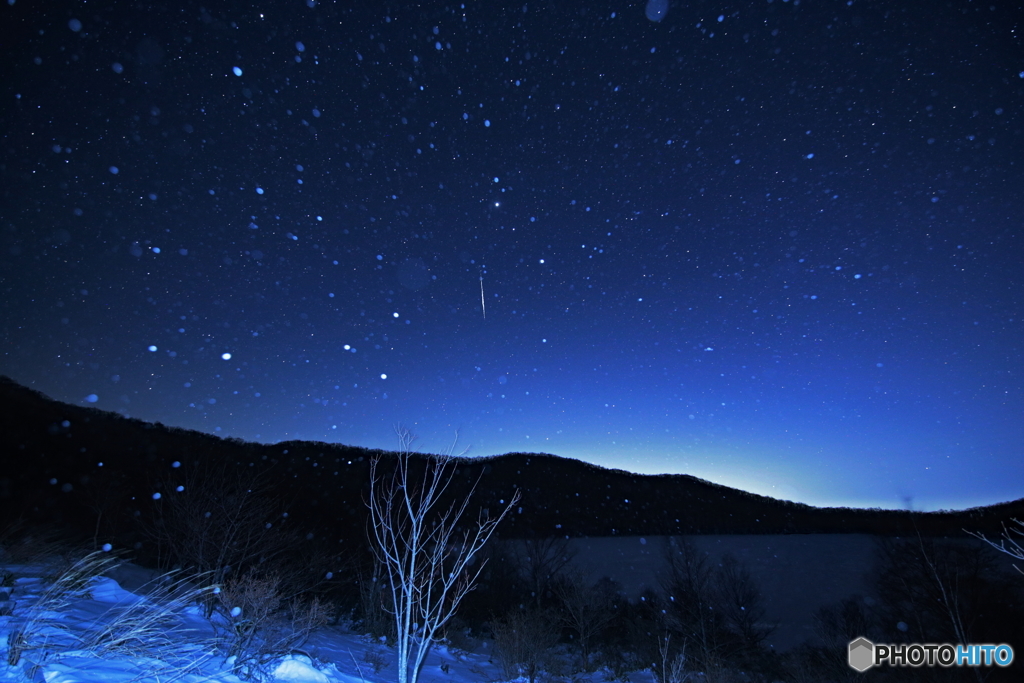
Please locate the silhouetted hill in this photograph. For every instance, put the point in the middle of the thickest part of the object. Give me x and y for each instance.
(91, 471)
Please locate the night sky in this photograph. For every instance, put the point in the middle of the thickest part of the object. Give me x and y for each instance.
(776, 245)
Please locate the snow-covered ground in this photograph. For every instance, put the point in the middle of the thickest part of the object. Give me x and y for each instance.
(127, 626)
(69, 637)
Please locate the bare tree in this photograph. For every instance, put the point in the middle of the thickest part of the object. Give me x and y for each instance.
(426, 559)
(742, 604)
(673, 663)
(542, 562)
(1010, 543)
(691, 600)
(939, 589)
(523, 640)
(219, 520)
(836, 625)
(585, 609)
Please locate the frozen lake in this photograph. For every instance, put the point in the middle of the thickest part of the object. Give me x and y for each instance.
(797, 574)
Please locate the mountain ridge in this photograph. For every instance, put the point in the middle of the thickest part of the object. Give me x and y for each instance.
(71, 454)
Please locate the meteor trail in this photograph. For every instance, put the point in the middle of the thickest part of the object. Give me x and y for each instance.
(483, 306)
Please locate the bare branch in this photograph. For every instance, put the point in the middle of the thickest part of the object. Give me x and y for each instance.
(428, 561)
(1007, 543)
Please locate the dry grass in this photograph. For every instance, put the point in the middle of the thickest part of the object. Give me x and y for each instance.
(149, 629)
(153, 625)
(40, 630)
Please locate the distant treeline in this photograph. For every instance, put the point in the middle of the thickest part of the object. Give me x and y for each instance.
(91, 472)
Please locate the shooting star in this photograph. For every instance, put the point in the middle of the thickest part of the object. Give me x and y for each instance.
(483, 306)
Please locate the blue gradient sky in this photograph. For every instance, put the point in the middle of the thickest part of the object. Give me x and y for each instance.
(776, 246)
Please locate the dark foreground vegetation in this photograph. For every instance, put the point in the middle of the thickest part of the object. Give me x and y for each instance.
(284, 527)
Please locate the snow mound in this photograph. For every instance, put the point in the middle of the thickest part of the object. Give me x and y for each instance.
(108, 590)
(299, 669)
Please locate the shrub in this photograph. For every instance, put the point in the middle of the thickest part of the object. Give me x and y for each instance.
(216, 520)
(259, 627)
(523, 639)
(375, 619)
(586, 609)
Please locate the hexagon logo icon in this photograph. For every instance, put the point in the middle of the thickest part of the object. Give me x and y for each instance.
(862, 654)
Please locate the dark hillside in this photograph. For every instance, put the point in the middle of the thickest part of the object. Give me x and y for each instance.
(91, 472)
